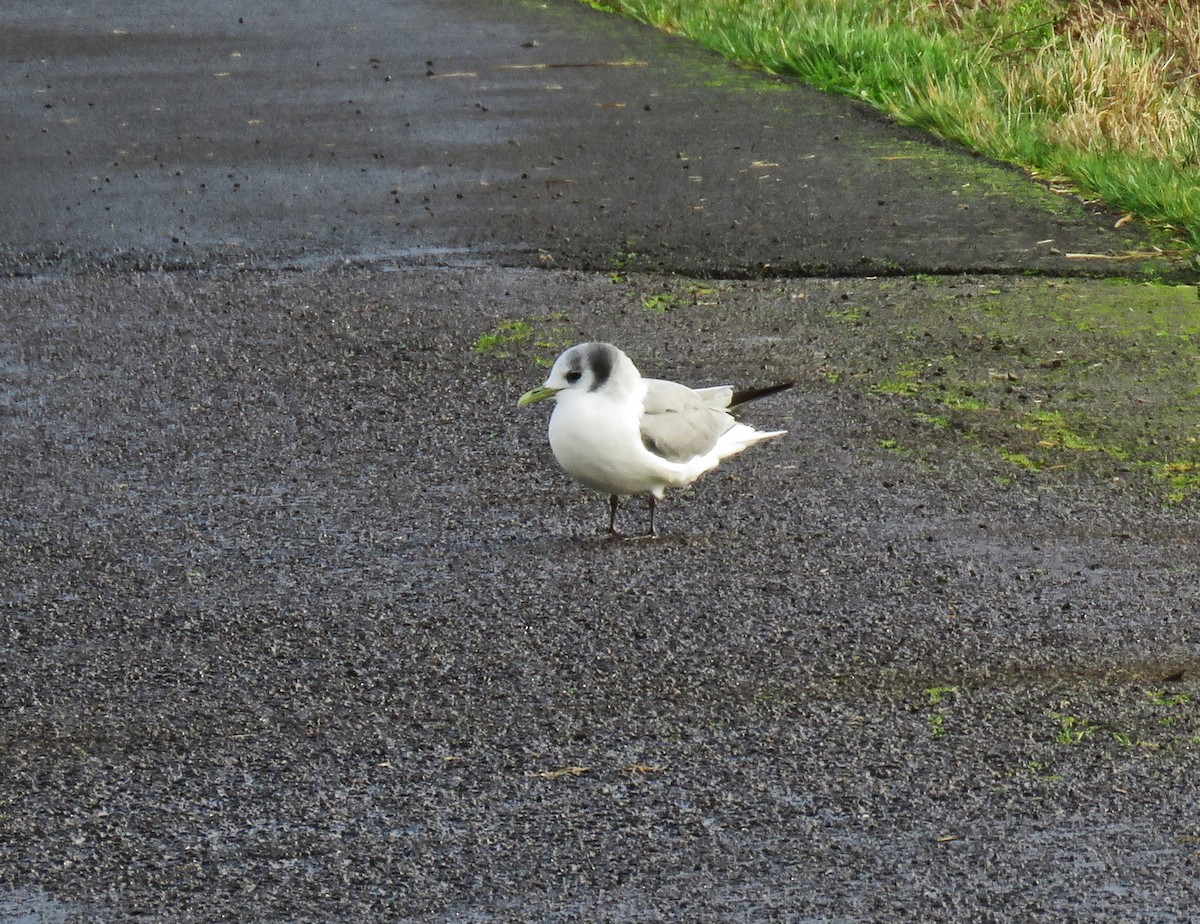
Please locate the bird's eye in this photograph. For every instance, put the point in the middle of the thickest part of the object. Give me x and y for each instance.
(573, 377)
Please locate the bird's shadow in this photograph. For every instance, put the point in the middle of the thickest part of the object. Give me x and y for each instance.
(605, 540)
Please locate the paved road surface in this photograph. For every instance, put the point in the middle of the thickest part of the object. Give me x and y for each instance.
(290, 134)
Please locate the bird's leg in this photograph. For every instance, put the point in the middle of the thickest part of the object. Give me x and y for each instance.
(612, 529)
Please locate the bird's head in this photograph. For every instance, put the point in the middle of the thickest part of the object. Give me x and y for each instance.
(586, 367)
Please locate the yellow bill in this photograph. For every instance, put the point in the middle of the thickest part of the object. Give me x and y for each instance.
(536, 394)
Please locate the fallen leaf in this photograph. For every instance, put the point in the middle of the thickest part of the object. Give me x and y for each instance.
(1128, 255)
(544, 67)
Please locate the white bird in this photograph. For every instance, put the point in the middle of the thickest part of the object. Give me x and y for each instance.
(620, 434)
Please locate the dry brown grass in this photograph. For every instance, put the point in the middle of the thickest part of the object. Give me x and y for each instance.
(1103, 93)
(1099, 75)
(1136, 69)
(1169, 31)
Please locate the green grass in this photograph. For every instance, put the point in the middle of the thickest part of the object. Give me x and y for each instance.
(538, 340)
(1180, 479)
(938, 694)
(1072, 729)
(661, 302)
(904, 381)
(680, 295)
(1019, 459)
(1098, 97)
(1055, 432)
(505, 334)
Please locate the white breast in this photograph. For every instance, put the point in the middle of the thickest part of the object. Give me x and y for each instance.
(598, 443)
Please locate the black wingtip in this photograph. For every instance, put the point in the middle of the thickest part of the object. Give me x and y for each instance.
(747, 395)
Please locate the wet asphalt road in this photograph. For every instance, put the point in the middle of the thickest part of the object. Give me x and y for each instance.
(299, 622)
(522, 133)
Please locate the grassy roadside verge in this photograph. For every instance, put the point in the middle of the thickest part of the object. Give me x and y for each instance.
(1103, 98)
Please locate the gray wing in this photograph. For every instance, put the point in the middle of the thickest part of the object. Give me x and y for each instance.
(679, 423)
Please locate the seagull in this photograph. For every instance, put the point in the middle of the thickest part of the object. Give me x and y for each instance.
(623, 435)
